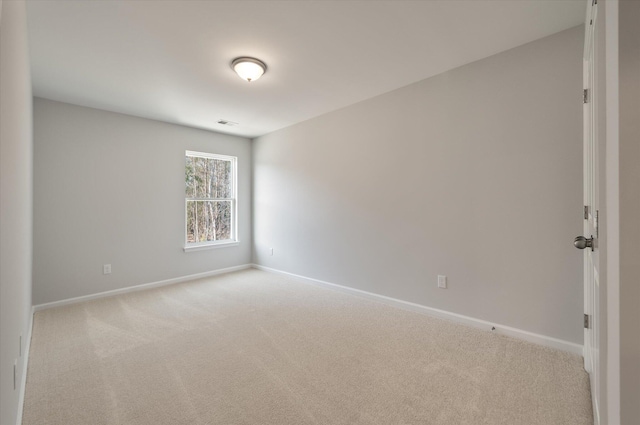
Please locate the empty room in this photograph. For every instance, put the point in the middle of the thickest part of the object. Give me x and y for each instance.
(319, 212)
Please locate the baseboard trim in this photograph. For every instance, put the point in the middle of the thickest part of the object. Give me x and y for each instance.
(25, 367)
(139, 287)
(543, 340)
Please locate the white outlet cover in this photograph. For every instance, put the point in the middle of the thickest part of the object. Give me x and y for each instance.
(106, 269)
(442, 281)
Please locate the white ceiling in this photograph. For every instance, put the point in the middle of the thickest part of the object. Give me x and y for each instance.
(170, 60)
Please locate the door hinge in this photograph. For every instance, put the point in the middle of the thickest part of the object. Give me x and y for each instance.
(587, 321)
(585, 96)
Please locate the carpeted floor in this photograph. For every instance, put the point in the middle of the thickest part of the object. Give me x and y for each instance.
(258, 348)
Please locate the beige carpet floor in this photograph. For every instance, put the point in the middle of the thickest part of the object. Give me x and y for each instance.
(258, 348)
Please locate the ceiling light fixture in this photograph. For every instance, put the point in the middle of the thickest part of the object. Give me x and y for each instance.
(249, 69)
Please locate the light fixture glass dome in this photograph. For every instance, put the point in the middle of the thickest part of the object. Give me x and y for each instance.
(249, 69)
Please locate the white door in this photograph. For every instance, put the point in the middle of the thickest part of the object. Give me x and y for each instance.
(589, 240)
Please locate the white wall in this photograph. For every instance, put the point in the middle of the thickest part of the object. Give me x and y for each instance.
(16, 192)
(109, 189)
(475, 174)
(629, 150)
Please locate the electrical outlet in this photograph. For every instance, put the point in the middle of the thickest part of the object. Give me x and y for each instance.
(442, 281)
(106, 269)
(272, 252)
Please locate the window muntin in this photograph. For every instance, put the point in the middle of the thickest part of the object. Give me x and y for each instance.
(210, 199)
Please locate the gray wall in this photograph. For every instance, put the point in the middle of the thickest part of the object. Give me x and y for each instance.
(475, 174)
(629, 63)
(109, 189)
(16, 192)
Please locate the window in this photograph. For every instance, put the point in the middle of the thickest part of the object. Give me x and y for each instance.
(210, 201)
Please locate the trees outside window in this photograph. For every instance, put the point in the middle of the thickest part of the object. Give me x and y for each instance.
(210, 201)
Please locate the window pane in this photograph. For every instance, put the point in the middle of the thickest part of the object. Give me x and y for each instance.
(189, 177)
(208, 178)
(200, 177)
(222, 178)
(208, 221)
(222, 214)
(191, 222)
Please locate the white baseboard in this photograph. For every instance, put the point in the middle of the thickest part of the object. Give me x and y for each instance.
(459, 318)
(442, 314)
(139, 287)
(25, 366)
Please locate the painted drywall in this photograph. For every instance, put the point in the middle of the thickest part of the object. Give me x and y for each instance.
(16, 194)
(475, 174)
(109, 189)
(629, 146)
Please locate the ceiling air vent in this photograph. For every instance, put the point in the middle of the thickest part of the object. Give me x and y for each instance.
(226, 122)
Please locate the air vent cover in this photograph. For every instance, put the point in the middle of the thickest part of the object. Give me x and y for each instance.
(227, 122)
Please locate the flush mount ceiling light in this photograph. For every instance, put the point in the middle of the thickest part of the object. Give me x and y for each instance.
(249, 69)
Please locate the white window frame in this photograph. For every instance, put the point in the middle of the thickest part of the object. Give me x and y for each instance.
(197, 246)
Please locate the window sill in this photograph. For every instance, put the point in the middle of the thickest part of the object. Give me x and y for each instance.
(190, 248)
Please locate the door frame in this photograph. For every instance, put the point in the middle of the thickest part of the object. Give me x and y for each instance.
(593, 196)
(608, 116)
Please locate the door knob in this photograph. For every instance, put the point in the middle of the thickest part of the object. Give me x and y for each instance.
(581, 242)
